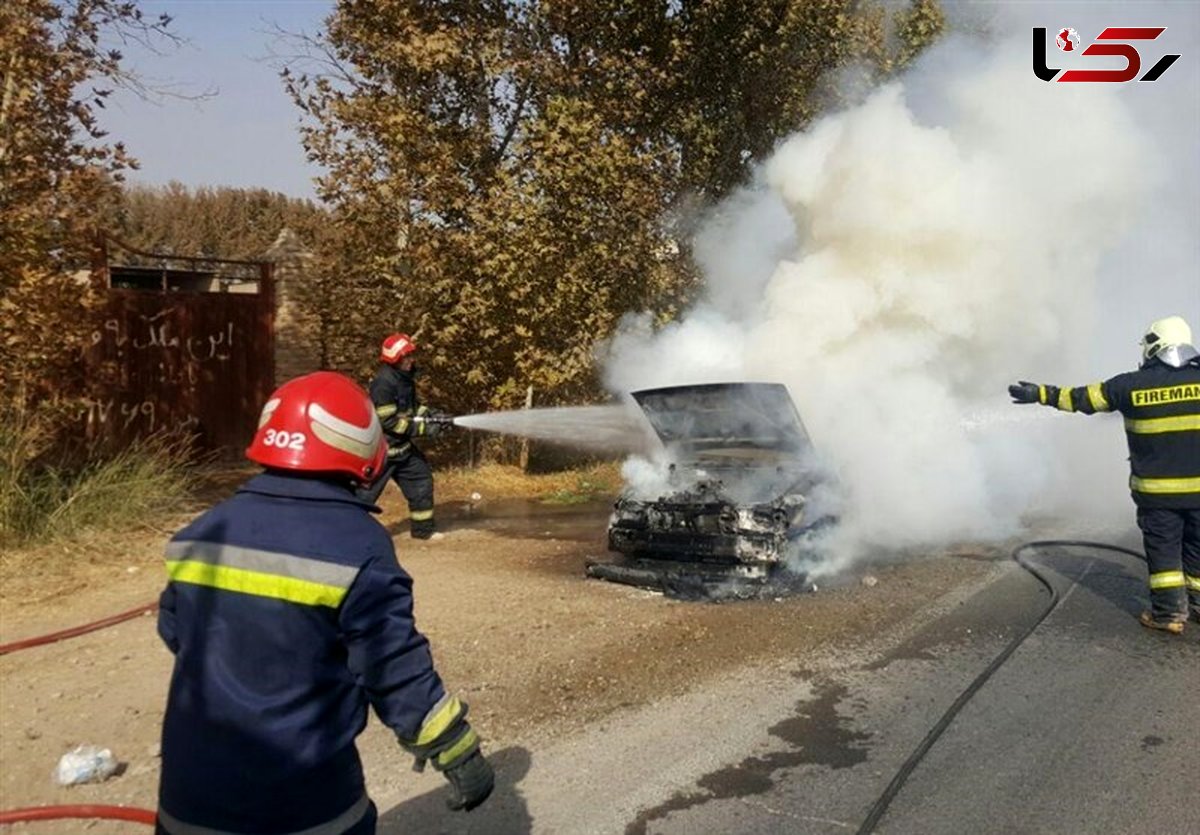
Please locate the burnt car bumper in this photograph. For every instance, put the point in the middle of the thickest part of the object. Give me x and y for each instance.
(704, 532)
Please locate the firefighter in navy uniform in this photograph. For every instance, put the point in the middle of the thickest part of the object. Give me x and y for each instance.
(288, 614)
(404, 419)
(1161, 405)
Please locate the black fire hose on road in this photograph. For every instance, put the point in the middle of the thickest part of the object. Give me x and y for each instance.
(910, 765)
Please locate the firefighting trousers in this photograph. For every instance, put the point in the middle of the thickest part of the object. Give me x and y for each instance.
(414, 477)
(365, 825)
(1172, 543)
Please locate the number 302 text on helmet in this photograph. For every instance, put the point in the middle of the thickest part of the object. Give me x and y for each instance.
(320, 423)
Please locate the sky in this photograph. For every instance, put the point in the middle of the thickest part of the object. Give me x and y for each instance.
(243, 135)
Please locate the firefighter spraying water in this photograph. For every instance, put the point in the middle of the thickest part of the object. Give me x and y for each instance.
(405, 420)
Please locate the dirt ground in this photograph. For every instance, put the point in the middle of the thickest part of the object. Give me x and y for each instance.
(537, 650)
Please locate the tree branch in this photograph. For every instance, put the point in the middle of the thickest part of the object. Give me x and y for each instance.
(511, 130)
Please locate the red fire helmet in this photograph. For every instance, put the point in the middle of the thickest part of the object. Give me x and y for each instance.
(321, 422)
(396, 347)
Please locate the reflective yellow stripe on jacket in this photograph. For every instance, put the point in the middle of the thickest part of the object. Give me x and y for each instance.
(1161, 486)
(439, 718)
(1155, 426)
(261, 573)
(465, 742)
(437, 731)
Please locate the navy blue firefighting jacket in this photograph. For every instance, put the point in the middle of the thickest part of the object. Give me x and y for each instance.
(287, 614)
(394, 393)
(1161, 406)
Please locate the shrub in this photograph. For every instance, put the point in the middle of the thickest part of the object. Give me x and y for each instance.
(42, 500)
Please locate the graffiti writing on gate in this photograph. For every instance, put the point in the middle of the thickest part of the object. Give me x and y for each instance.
(154, 364)
(178, 356)
(148, 415)
(158, 333)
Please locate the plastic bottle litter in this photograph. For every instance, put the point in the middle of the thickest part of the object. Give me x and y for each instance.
(85, 764)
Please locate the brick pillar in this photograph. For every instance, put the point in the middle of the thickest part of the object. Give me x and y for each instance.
(297, 327)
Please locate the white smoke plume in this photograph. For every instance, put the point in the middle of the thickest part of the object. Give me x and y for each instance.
(899, 263)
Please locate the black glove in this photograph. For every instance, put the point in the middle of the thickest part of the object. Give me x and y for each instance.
(432, 427)
(453, 750)
(472, 780)
(1025, 392)
(431, 422)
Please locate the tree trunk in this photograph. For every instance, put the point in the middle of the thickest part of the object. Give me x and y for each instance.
(525, 441)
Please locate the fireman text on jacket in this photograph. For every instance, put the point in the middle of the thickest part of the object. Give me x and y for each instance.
(1171, 394)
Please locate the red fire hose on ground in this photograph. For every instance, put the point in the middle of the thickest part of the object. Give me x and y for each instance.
(53, 813)
(86, 811)
(77, 630)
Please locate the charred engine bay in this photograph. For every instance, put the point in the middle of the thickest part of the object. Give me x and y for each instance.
(734, 506)
(699, 545)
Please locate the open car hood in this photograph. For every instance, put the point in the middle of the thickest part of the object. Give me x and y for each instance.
(727, 425)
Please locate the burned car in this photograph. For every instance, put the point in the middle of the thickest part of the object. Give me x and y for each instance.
(735, 502)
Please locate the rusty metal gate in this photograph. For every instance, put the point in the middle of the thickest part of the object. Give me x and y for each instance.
(181, 344)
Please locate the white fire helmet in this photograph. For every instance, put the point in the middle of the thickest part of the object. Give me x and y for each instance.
(1170, 341)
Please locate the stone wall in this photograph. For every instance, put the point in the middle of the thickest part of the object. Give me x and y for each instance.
(297, 329)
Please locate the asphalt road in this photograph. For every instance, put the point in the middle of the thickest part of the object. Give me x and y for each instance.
(1088, 727)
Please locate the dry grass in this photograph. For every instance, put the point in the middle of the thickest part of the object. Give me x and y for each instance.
(42, 502)
(44, 567)
(456, 484)
(503, 481)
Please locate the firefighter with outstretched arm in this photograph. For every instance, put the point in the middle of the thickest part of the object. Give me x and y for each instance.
(1160, 402)
(288, 615)
(405, 419)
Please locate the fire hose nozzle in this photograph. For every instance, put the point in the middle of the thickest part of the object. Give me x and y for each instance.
(441, 421)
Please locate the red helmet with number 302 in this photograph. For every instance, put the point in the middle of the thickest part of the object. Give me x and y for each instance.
(320, 423)
(396, 347)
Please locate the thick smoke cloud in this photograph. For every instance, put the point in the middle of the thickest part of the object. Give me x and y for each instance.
(899, 263)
